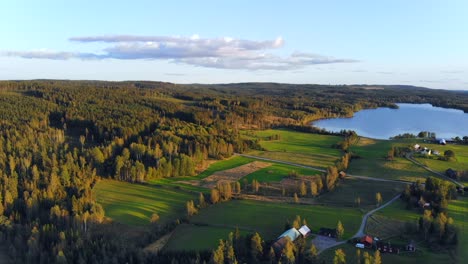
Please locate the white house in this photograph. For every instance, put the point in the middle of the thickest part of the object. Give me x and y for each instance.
(426, 151)
(304, 230)
(416, 147)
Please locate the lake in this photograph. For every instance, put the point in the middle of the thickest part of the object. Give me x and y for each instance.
(383, 123)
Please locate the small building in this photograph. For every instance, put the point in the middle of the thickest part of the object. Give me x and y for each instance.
(329, 232)
(359, 245)
(426, 206)
(368, 241)
(304, 230)
(442, 141)
(387, 248)
(436, 152)
(292, 233)
(417, 147)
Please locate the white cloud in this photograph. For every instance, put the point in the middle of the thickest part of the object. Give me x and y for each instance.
(224, 53)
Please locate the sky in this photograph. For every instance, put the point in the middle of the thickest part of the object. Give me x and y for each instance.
(418, 42)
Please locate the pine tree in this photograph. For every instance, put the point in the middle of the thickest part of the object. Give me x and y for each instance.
(340, 257)
(378, 198)
(201, 200)
(377, 257)
(256, 248)
(339, 230)
(296, 199)
(303, 189)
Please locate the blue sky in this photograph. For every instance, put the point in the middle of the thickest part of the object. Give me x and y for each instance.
(421, 43)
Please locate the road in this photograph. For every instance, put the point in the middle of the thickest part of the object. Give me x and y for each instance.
(360, 233)
(321, 170)
(410, 158)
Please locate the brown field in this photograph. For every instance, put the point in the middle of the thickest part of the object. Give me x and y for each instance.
(230, 175)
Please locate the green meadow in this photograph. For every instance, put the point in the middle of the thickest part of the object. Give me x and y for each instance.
(133, 204)
(277, 172)
(297, 147)
(373, 163)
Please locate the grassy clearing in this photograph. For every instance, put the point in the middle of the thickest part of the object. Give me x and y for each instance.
(230, 163)
(133, 204)
(373, 163)
(187, 237)
(269, 218)
(348, 190)
(461, 154)
(458, 210)
(298, 147)
(277, 172)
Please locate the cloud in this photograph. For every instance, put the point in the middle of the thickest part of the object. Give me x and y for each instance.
(222, 53)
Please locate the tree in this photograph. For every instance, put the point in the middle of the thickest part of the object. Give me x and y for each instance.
(377, 257)
(313, 188)
(378, 198)
(339, 229)
(214, 197)
(312, 254)
(340, 257)
(201, 200)
(191, 210)
(303, 189)
(154, 218)
(449, 154)
(288, 251)
(358, 256)
(217, 256)
(256, 248)
(296, 199)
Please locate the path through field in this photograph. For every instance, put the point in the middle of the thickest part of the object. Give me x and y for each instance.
(322, 170)
(324, 244)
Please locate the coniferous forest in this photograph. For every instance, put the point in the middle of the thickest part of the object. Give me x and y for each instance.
(58, 138)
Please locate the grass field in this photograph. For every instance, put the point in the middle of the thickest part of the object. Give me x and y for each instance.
(298, 147)
(269, 218)
(420, 256)
(230, 163)
(277, 172)
(373, 163)
(458, 210)
(133, 204)
(187, 237)
(348, 190)
(461, 154)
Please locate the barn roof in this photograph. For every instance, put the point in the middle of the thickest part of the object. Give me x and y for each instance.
(291, 233)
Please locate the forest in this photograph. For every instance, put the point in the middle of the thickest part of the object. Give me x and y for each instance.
(58, 138)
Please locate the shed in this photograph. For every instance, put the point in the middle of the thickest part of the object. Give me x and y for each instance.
(442, 141)
(416, 147)
(304, 230)
(367, 240)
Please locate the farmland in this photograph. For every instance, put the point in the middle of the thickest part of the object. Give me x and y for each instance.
(277, 172)
(133, 204)
(298, 147)
(372, 161)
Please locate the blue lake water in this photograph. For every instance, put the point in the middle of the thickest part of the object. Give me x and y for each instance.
(383, 123)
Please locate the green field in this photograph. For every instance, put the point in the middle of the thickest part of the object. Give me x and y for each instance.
(458, 210)
(245, 215)
(187, 237)
(348, 190)
(374, 164)
(420, 256)
(226, 164)
(461, 154)
(277, 172)
(298, 147)
(133, 204)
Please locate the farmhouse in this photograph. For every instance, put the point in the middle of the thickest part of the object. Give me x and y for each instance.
(304, 230)
(417, 147)
(442, 141)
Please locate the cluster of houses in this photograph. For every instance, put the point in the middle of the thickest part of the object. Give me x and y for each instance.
(292, 234)
(384, 247)
(425, 151)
